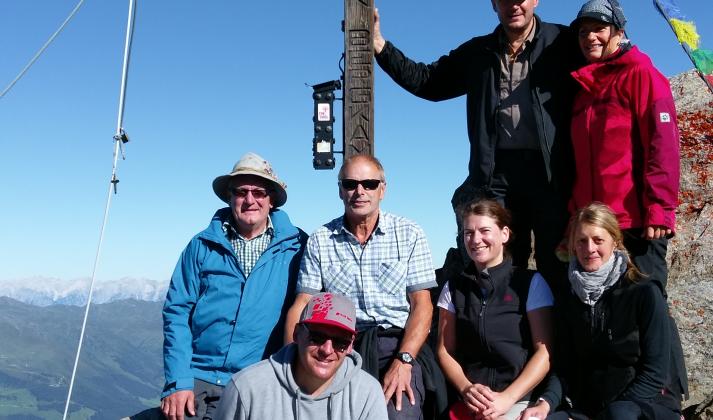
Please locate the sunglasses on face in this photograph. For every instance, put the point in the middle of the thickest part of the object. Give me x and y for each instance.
(339, 344)
(367, 184)
(258, 193)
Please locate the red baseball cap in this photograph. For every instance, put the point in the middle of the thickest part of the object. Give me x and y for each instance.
(330, 309)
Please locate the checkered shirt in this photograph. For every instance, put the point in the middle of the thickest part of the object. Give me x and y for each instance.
(248, 251)
(378, 276)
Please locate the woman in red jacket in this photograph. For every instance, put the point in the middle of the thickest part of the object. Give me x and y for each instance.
(625, 142)
(625, 137)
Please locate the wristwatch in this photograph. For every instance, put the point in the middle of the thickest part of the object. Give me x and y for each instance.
(405, 357)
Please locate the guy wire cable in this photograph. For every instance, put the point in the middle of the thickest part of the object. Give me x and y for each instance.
(41, 50)
(119, 138)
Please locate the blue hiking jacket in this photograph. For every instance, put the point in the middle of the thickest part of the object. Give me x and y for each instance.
(215, 320)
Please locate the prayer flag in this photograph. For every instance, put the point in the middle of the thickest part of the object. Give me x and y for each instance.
(689, 39)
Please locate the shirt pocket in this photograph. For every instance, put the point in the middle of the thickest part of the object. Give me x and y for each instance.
(392, 277)
(339, 278)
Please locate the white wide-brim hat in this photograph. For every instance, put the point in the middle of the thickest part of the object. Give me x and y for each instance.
(252, 164)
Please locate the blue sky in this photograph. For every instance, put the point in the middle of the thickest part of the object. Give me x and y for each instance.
(209, 81)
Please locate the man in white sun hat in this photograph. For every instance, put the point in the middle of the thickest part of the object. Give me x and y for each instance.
(230, 291)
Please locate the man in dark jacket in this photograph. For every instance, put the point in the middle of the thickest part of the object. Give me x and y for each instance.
(519, 97)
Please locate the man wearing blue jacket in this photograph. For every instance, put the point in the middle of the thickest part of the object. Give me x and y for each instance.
(230, 290)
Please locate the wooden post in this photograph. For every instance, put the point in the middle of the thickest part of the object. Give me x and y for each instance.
(358, 78)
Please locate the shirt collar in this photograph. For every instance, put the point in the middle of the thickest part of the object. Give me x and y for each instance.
(232, 232)
(383, 224)
(504, 43)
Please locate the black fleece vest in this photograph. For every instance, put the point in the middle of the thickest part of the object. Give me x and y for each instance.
(493, 333)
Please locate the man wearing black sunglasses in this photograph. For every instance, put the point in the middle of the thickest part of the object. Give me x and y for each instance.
(383, 264)
(316, 377)
(230, 291)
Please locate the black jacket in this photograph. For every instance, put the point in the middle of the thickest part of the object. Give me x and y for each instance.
(618, 350)
(494, 341)
(473, 69)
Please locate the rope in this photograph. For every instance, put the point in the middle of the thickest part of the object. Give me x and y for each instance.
(119, 139)
(44, 47)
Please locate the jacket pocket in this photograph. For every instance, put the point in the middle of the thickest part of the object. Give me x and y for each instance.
(392, 277)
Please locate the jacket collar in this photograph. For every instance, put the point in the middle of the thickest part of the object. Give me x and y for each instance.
(595, 77)
(491, 278)
(283, 229)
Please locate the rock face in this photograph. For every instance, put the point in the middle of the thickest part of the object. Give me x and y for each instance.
(690, 254)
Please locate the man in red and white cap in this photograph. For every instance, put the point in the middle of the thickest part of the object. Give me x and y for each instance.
(316, 377)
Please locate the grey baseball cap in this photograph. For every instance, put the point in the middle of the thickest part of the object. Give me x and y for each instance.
(607, 11)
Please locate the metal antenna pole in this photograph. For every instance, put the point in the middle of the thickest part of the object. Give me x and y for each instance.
(119, 139)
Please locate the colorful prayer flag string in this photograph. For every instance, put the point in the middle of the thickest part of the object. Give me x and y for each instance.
(689, 39)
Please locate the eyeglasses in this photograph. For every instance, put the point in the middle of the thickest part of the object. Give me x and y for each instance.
(339, 344)
(367, 184)
(258, 193)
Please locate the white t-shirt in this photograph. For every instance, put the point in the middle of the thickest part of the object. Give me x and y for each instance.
(539, 296)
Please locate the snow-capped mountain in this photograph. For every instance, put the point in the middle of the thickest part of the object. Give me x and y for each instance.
(43, 291)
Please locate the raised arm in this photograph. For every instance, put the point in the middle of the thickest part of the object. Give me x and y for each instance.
(379, 41)
(438, 81)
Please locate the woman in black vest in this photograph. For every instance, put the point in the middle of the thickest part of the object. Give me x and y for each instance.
(615, 330)
(494, 330)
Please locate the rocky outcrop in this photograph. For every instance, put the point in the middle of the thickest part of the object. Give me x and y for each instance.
(691, 250)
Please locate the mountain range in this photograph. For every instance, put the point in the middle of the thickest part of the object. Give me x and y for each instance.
(43, 291)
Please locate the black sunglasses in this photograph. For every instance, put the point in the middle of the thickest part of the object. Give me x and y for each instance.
(258, 193)
(339, 344)
(367, 184)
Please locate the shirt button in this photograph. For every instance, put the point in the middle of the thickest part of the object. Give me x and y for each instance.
(218, 382)
(232, 322)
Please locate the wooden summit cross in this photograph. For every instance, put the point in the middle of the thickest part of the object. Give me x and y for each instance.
(358, 78)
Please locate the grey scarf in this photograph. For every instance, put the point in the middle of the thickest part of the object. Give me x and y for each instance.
(589, 286)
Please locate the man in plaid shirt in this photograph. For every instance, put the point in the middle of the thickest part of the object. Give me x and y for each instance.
(383, 264)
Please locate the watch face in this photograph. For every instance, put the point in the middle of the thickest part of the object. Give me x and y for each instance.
(406, 358)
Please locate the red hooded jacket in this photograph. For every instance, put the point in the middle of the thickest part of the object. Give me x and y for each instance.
(625, 141)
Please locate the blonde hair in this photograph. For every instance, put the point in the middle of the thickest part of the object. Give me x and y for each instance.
(600, 215)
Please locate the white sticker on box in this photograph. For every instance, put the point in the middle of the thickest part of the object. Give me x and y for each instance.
(323, 113)
(323, 147)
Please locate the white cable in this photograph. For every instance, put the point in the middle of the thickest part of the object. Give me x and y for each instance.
(44, 47)
(118, 139)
